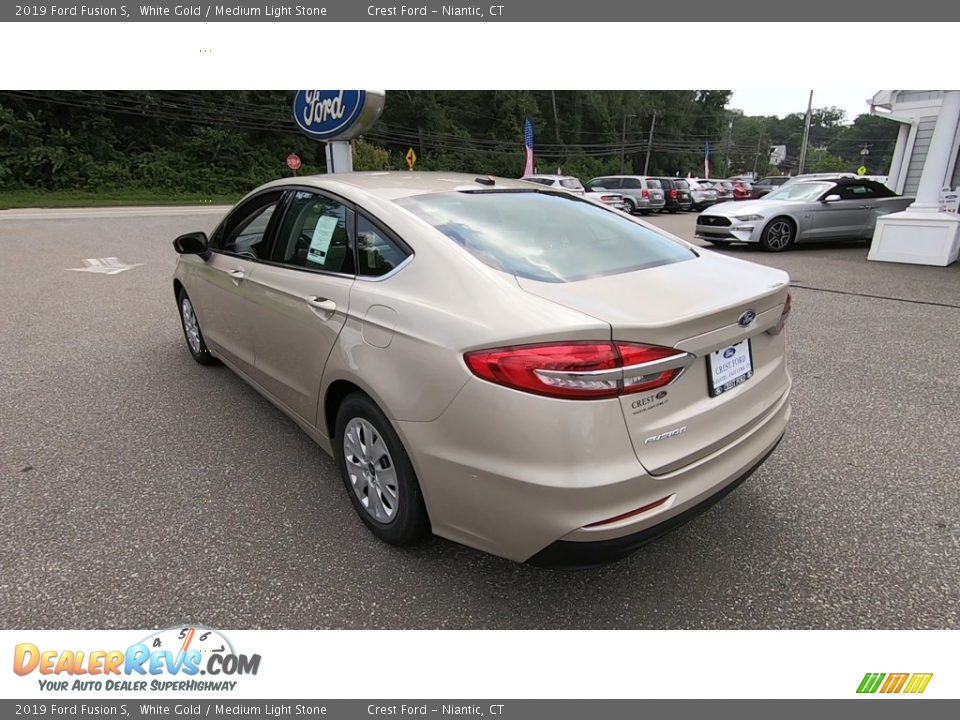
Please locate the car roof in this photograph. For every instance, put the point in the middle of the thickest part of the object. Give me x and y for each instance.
(392, 185)
(549, 177)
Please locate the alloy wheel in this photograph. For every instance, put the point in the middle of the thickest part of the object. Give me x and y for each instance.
(372, 473)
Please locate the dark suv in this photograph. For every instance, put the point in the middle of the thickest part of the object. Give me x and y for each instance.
(676, 194)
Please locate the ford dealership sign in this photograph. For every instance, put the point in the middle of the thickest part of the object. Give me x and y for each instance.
(336, 114)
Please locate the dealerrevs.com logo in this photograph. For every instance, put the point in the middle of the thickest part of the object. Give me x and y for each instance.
(171, 659)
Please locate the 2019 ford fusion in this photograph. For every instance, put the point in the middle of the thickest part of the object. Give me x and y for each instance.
(508, 366)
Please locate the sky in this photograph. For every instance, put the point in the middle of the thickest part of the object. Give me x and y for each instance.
(784, 102)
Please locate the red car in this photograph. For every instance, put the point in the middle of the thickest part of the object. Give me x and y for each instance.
(741, 190)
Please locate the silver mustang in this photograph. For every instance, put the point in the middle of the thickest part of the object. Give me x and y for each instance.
(808, 210)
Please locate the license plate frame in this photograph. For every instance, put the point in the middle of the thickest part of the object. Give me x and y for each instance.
(728, 380)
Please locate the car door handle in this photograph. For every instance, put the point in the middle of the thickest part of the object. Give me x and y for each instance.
(322, 304)
(237, 274)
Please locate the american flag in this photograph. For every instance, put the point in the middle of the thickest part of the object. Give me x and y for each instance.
(706, 160)
(528, 144)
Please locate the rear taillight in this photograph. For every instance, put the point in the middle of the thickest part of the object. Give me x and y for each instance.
(673, 194)
(784, 314)
(645, 194)
(580, 370)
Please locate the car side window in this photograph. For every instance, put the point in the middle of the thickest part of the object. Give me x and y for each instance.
(631, 183)
(853, 192)
(377, 253)
(246, 234)
(316, 234)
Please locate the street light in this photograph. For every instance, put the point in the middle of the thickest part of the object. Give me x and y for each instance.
(623, 140)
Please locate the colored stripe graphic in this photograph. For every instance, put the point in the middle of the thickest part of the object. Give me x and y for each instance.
(894, 683)
(918, 683)
(870, 682)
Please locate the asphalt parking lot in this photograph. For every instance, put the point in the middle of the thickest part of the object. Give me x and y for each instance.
(139, 489)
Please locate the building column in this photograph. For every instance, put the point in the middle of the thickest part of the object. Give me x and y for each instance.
(934, 173)
(899, 153)
(921, 234)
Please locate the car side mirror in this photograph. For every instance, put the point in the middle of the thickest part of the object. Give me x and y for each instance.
(831, 198)
(194, 243)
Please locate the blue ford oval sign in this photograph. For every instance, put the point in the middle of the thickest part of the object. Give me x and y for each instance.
(328, 114)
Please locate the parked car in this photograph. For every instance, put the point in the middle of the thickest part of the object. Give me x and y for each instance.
(462, 347)
(564, 182)
(806, 210)
(640, 194)
(702, 194)
(573, 185)
(676, 194)
(763, 186)
(723, 188)
(742, 190)
(607, 197)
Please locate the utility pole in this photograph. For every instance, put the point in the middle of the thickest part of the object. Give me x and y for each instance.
(623, 141)
(726, 155)
(646, 162)
(556, 118)
(806, 135)
(756, 158)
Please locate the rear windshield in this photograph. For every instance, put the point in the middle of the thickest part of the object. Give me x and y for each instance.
(653, 184)
(571, 184)
(681, 184)
(545, 236)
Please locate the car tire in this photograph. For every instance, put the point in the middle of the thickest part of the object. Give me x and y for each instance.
(628, 207)
(191, 330)
(778, 235)
(377, 473)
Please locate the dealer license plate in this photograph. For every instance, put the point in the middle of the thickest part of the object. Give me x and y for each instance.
(729, 367)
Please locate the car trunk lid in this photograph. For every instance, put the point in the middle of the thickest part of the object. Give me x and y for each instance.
(697, 307)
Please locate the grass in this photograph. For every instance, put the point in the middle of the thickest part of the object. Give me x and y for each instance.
(107, 198)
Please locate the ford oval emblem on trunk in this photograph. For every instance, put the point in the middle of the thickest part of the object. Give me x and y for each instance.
(748, 317)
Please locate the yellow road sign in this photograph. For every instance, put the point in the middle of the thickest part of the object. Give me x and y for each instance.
(862, 170)
(411, 158)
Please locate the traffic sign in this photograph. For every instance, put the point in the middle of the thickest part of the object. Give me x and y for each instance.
(293, 162)
(862, 170)
(411, 158)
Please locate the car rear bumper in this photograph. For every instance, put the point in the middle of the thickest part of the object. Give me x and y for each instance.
(579, 555)
(512, 474)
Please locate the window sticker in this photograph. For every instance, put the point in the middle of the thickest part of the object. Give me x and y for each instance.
(320, 242)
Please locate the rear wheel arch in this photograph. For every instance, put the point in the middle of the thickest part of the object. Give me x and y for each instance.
(338, 391)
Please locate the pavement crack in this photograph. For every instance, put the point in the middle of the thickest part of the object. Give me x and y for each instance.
(875, 297)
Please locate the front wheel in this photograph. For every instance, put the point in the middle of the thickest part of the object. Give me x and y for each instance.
(191, 331)
(377, 473)
(778, 235)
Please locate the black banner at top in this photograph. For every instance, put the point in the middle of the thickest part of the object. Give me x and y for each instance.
(539, 11)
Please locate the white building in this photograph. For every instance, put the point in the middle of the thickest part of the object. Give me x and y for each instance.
(925, 164)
